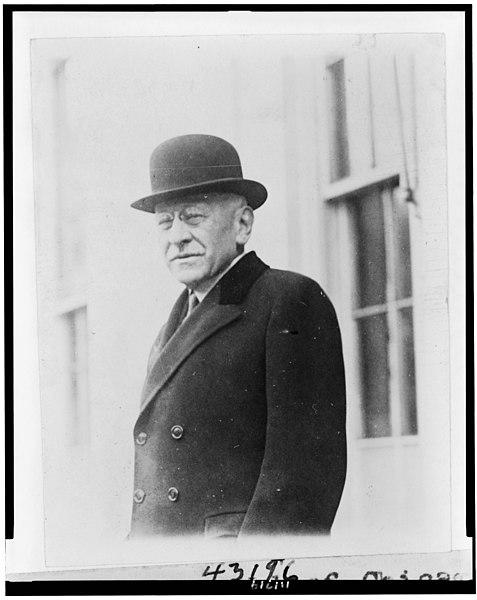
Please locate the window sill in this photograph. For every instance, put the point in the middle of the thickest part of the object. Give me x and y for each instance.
(357, 184)
(388, 442)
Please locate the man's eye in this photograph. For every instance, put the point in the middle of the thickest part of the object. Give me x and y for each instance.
(164, 222)
(193, 218)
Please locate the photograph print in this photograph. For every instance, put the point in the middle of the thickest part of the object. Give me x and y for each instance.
(242, 286)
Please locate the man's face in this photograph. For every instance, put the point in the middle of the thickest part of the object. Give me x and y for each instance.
(198, 236)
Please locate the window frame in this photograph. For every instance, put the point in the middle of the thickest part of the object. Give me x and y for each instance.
(78, 429)
(341, 233)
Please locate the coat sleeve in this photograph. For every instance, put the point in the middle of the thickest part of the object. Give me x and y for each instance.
(304, 465)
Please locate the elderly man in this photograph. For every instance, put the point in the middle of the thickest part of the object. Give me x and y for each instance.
(242, 424)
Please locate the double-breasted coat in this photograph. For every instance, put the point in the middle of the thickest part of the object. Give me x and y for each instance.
(242, 424)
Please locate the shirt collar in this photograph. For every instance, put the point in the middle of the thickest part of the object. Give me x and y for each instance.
(202, 295)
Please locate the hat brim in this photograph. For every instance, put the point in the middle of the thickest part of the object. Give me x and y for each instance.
(254, 192)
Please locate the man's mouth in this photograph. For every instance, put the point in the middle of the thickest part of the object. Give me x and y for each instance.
(184, 256)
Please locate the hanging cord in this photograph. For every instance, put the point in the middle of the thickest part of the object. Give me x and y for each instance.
(409, 192)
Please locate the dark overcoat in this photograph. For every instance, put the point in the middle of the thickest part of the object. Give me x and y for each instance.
(242, 424)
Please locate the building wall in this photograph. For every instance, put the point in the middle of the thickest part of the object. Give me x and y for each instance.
(99, 110)
(396, 127)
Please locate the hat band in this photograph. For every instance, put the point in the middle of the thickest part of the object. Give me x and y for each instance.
(166, 178)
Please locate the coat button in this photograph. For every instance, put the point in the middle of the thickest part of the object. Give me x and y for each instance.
(139, 496)
(177, 432)
(173, 494)
(141, 438)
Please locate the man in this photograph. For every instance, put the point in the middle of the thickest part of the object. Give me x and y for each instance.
(242, 424)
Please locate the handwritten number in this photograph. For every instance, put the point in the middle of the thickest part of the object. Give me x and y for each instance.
(286, 577)
(271, 566)
(236, 568)
(214, 574)
(269, 585)
(254, 570)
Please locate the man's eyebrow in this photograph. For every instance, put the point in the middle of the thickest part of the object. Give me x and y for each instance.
(196, 206)
(199, 205)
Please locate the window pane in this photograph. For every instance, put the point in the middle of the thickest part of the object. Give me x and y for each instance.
(373, 343)
(370, 249)
(407, 373)
(339, 153)
(402, 247)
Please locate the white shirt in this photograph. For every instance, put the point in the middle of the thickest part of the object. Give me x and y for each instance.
(202, 295)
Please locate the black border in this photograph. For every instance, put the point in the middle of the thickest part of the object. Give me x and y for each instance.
(165, 587)
(222, 587)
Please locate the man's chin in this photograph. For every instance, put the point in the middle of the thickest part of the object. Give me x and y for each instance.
(188, 277)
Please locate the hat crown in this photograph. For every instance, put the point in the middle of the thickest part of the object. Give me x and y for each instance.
(192, 159)
(197, 164)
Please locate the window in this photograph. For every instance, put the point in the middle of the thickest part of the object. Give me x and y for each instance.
(382, 311)
(76, 321)
(70, 230)
(339, 151)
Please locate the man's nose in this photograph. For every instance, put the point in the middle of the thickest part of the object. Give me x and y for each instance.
(179, 232)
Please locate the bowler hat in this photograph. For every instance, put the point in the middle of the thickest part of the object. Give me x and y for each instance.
(190, 164)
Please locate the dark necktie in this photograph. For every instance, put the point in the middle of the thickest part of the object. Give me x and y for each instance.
(193, 303)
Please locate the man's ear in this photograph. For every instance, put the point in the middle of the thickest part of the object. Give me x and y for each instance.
(245, 223)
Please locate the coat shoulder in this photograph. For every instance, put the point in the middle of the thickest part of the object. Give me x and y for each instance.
(290, 277)
(290, 283)
(289, 292)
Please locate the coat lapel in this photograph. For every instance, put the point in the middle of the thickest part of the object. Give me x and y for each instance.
(221, 306)
(178, 313)
(206, 319)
